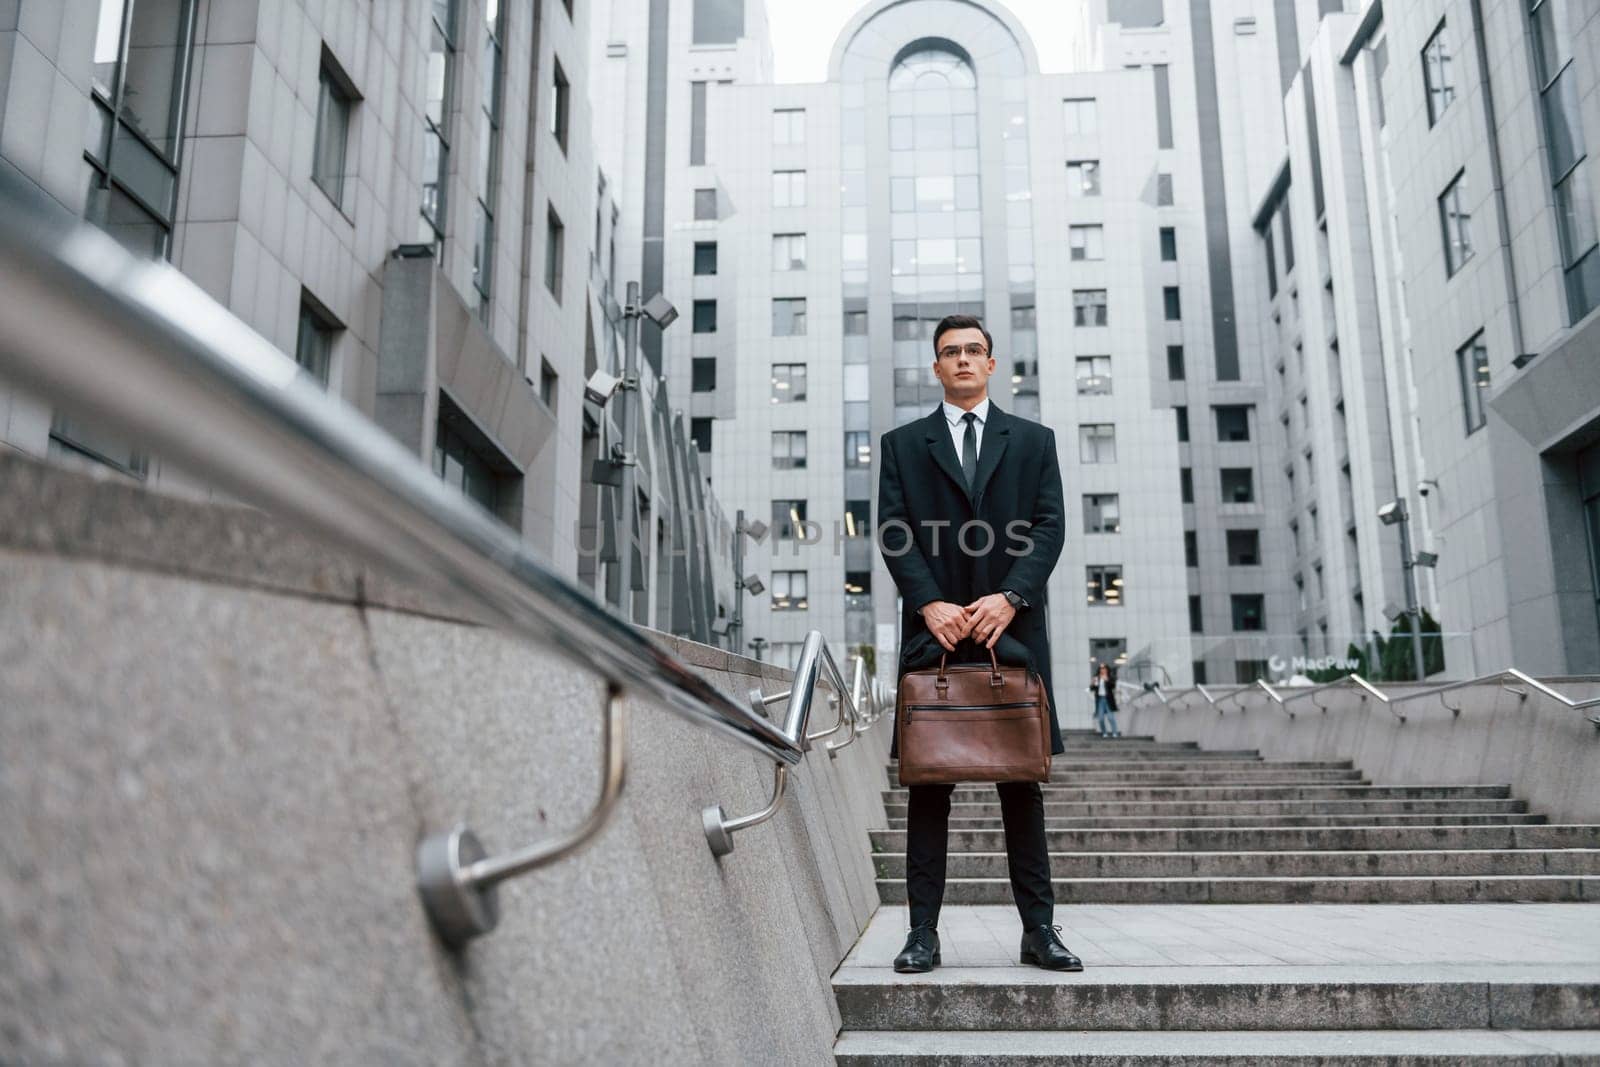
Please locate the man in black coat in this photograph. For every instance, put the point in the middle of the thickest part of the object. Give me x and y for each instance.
(971, 523)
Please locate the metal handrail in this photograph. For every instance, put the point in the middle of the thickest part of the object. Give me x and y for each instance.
(137, 346)
(1369, 690)
(815, 665)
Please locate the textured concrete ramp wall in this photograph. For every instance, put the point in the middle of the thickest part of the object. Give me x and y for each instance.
(219, 746)
(1548, 753)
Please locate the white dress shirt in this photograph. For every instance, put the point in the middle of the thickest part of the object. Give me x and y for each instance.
(958, 426)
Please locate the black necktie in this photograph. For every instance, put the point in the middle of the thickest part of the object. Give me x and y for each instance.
(969, 449)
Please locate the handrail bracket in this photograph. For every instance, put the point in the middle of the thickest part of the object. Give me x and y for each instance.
(456, 877)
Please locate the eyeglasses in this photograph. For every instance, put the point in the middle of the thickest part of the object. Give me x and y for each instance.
(976, 351)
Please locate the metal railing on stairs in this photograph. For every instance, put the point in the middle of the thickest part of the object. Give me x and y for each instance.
(1509, 680)
(137, 346)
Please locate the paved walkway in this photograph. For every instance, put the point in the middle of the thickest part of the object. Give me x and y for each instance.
(1361, 937)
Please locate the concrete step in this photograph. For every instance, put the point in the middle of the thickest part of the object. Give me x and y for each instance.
(1427, 889)
(1079, 779)
(1155, 755)
(1342, 791)
(1446, 818)
(1111, 1048)
(1178, 808)
(1263, 838)
(1416, 997)
(1409, 863)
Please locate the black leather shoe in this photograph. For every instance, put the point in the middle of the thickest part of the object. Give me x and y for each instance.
(921, 953)
(1043, 948)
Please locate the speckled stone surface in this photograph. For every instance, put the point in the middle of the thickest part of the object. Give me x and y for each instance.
(217, 757)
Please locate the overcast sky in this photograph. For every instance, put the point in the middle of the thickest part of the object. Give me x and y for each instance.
(803, 33)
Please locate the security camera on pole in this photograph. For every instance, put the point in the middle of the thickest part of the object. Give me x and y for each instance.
(1394, 514)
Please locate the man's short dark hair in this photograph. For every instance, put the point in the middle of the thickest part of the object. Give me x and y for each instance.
(960, 322)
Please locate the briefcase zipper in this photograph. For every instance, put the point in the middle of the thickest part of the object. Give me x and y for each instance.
(972, 707)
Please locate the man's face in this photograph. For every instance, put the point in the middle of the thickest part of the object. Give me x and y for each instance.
(964, 364)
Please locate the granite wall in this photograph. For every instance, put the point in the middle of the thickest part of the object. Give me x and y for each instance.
(1548, 753)
(220, 744)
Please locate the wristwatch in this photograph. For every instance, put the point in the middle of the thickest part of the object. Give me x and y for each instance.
(1013, 599)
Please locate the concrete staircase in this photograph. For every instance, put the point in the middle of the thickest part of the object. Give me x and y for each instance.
(1402, 944)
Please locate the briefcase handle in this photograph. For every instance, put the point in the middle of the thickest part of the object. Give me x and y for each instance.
(996, 679)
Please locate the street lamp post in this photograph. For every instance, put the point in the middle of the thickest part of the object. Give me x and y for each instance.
(1394, 514)
(662, 313)
(736, 628)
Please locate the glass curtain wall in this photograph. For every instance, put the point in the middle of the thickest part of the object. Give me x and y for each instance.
(936, 221)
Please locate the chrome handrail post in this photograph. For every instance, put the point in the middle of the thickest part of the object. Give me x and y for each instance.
(456, 878)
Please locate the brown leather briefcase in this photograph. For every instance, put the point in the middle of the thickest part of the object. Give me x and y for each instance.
(971, 723)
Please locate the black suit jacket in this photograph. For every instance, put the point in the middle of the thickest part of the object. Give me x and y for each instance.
(923, 503)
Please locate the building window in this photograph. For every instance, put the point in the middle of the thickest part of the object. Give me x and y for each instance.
(548, 384)
(788, 383)
(858, 518)
(1097, 443)
(857, 449)
(788, 188)
(1437, 76)
(718, 21)
(1249, 612)
(1198, 669)
(700, 434)
(705, 257)
(1101, 514)
(1104, 585)
(87, 440)
(703, 374)
(489, 180)
(788, 590)
(1169, 244)
(335, 100)
(789, 317)
(788, 251)
(1554, 25)
(560, 105)
(1472, 366)
(1191, 548)
(1195, 617)
(1112, 651)
(697, 123)
(1169, 300)
(1272, 262)
(1163, 106)
(1081, 119)
(1175, 370)
(1244, 548)
(438, 107)
(1182, 412)
(705, 204)
(705, 316)
(1248, 671)
(789, 126)
(1089, 307)
(555, 239)
(1164, 190)
(1083, 178)
(314, 340)
(1087, 242)
(1094, 375)
(855, 323)
(464, 459)
(788, 450)
(1233, 422)
(1238, 485)
(787, 519)
(1186, 484)
(1456, 224)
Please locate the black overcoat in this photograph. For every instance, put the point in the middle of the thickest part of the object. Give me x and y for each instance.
(923, 505)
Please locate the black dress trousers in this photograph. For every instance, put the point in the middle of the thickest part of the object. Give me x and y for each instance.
(1027, 854)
